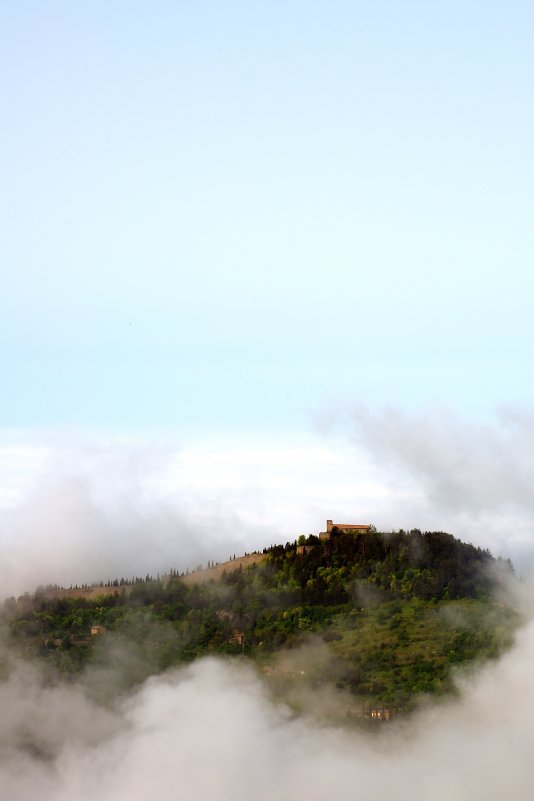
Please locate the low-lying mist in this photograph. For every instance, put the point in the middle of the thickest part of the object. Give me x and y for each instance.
(212, 730)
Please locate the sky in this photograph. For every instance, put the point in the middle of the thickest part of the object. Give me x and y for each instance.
(237, 238)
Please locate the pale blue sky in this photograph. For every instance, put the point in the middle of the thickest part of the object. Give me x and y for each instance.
(234, 216)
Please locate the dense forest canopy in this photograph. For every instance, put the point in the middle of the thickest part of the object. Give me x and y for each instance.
(394, 611)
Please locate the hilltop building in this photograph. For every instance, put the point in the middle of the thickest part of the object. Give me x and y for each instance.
(347, 528)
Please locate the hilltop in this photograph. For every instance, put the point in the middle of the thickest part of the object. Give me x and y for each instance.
(381, 617)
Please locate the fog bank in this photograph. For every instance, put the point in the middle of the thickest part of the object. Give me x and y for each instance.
(211, 731)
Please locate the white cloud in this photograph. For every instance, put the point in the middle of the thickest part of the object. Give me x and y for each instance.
(79, 509)
(470, 478)
(82, 509)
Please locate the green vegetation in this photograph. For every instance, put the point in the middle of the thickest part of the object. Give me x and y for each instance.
(392, 613)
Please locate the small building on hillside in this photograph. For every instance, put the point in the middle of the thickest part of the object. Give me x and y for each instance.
(382, 713)
(96, 631)
(238, 637)
(346, 528)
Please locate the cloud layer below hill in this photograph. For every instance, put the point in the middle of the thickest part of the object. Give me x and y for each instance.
(212, 731)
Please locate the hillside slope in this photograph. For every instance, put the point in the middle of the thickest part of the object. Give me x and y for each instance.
(381, 617)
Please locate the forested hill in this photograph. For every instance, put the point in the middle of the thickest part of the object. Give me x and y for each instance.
(394, 613)
(426, 565)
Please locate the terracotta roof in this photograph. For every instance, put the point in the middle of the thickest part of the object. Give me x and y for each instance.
(350, 525)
